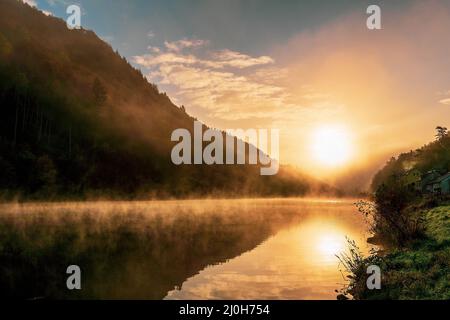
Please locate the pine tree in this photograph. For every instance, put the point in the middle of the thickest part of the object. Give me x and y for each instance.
(99, 92)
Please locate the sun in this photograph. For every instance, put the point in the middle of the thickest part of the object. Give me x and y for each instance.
(331, 145)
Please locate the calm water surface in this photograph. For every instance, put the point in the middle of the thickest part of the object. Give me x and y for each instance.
(209, 249)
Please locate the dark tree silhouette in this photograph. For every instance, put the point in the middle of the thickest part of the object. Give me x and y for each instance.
(441, 133)
(55, 140)
(99, 91)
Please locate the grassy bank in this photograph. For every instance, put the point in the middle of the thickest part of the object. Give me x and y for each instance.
(420, 271)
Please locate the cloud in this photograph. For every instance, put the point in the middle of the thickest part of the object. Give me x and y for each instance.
(150, 61)
(31, 3)
(445, 101)
(222, 94)
(173, 53)
(217, 82)
(153, 49)
(240, 60)
(220, 59)
(177, 46)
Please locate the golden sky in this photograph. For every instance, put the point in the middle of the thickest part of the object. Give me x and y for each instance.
(386, 88)
(310, 69)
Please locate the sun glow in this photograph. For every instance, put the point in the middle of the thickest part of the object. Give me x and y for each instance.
(330, 244)
(331, 146)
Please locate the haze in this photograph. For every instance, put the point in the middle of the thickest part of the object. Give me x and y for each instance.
(296, 66)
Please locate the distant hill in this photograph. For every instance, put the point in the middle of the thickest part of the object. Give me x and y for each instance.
(77, 120)
(434, 156)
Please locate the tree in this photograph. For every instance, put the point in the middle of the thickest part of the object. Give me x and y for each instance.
(441, 133)
(389, 216)
(46, 173)
(6, 48)
(99, 92)
(8, 176)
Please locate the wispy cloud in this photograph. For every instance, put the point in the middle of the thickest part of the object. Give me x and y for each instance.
(239, 60)
(445, 101)
(31, 3)
(155, 60)
(217, 81)
(177, 46)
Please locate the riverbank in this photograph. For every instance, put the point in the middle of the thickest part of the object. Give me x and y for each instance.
(420, 271)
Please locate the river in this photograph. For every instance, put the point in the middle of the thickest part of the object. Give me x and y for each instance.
(193, 249)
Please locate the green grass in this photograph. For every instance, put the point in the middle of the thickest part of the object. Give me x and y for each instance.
(422, 271)
(438, 224)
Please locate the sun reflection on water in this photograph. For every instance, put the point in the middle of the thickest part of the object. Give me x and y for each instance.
(209, 249)
(330, 245)
(299, 262)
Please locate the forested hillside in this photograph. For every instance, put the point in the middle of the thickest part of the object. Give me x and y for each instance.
(433, 156)
(77, 121)
(409, 217)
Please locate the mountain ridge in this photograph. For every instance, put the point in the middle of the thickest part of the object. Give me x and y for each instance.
(79, 121)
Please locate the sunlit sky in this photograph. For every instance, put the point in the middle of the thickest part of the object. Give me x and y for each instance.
(293, 65)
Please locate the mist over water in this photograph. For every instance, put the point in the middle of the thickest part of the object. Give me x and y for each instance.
(197, 249)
